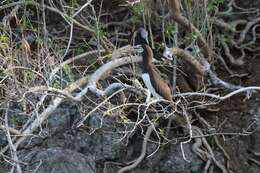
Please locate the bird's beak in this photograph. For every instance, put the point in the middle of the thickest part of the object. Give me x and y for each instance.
(146, 39)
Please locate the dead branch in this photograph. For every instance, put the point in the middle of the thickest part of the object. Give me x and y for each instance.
(222, 24)
(186, 56)
(12, 130)
(105, 42)
(73, 59)
(210, 128)
(242, 89)
(103, 70)
(91, 86)
(227, 12)
(13, 148)
(201, 65)
(183, 21)
(254, 161)
(7, 18)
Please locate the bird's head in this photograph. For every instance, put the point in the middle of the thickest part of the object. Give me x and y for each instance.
(141, 36)
(193, 49)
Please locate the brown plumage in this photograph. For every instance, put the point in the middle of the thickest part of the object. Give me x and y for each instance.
(160, 86)
(151, 75)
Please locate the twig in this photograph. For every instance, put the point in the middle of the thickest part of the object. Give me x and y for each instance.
(81, 8)
(254, 161)
(103, 70)
(228, 11)
(142, 155)
(12, 146)
(57, 101)
(12, 130)
(70, 60)
(189, 127)
(93, 110)
(183, 21)
(244, 89)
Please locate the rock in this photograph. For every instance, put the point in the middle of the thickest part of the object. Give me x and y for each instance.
(173, 162)
(58, 160)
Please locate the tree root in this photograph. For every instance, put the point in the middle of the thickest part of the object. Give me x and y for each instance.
(208, 154)
(143, 153)
(202, 66)
(177, 16)
(233, 61)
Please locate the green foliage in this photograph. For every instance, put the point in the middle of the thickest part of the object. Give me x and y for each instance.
(189, 3)
(191, 37)
(81, 48)
(28, 76)
(194, 36)
(213, 5)
(103, 33)
(57, 84)
(4, 39)
(124, 119)
(137, 9)
(155, 120)
(26, 21)
(73, 4)
(68, 72)
(227, 40)
(169, 29)
(161, 131)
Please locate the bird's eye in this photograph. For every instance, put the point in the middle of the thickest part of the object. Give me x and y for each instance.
(189, 49)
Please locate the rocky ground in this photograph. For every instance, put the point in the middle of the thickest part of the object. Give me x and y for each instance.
(108, 143)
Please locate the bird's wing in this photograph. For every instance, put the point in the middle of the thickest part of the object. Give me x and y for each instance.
(160, 85)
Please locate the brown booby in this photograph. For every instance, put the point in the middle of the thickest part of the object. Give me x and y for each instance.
(150, 74)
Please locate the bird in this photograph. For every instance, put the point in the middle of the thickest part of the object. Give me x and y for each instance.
(151, 76)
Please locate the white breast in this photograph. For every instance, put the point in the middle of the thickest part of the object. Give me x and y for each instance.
(148, 84)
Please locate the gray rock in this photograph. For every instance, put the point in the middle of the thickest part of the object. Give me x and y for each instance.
(58, 160)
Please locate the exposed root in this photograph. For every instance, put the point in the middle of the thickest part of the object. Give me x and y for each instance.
(177, 16)
(143, 153)
(202, 66)
(208, 152)
(240, 34)
(245, 31)
(233, 61)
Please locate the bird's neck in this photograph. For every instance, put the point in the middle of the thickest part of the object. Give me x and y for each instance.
(147, 58)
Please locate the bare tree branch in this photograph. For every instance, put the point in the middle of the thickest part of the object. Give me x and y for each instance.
(183, 21)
